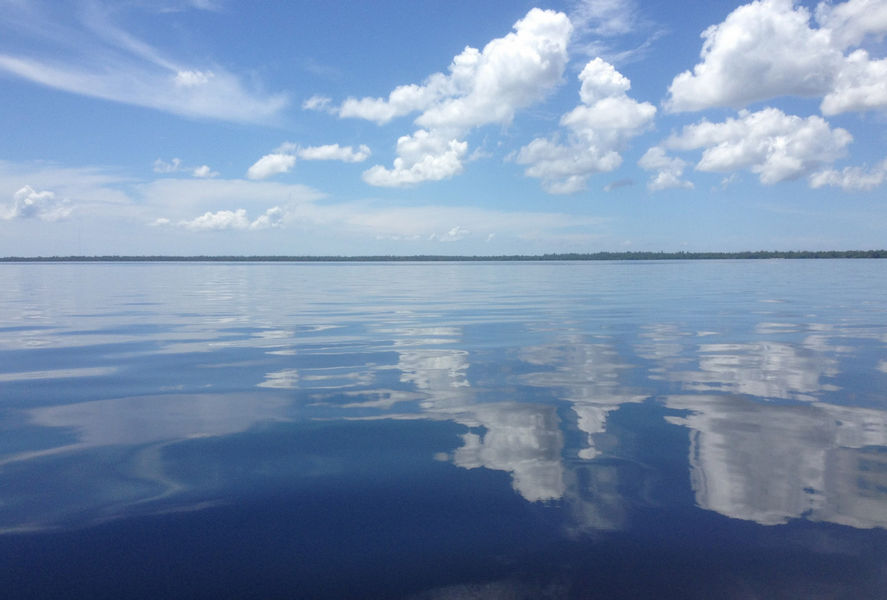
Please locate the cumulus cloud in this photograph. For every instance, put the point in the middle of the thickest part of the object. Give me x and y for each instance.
(767, 49)
(271, 164)
(230, 219)
(422, 156)
(28, 203)
(851, 178)
(597, 130)
(204, 171)
(284, 157)
(485, 86)
(775, 146)
(861, 84)
(482, 87)
(850, 22)
(273, 217)
(669, 170)
(96, 58)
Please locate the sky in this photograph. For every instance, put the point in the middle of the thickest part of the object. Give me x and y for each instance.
(224, 127)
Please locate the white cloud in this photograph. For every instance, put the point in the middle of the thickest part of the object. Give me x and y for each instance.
(850, 22)
(284, 157)
(762, 50)
(422, 156)
(860, 85)
(95, 192)
(510, 73)
(175, 166)
(600, 27)
(180, 199)
(605, 17)
(230, 219)
(767, 49)
(482, 87)
(96, 58)
(204, 171)
(273, 217)
(291, 216)
(223, 219)
(851, 178)
(335, 152)
(271, 164)
(453, 235)
(319, 103)
(669, 169)
(774, 145)
(401, 101)
(597, 130)
(28, 203)
(193, 78)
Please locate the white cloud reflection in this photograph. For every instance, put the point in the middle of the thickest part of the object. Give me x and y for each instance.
(770, 464)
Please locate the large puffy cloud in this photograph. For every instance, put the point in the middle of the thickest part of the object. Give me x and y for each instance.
(774, 145)
(29, 203)
(482, 87)
(598, 129)
(485, 86)
(422, 156)
(767, 49)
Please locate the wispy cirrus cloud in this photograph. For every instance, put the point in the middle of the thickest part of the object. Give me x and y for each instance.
(84, 52)
(175, 166)
(602, 28)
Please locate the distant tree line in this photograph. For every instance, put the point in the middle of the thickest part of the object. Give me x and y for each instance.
(575, 256)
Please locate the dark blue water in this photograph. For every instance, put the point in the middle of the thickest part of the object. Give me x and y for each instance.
(689, 429)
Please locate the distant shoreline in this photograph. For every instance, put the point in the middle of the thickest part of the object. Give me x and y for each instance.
(760, 254)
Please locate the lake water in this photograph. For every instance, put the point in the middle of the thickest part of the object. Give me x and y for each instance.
(687, 429)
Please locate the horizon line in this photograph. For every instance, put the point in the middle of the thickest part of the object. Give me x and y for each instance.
(563, 256)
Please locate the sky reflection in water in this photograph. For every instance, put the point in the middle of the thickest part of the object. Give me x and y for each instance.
(505, 408)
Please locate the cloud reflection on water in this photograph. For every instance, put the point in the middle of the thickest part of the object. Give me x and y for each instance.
(770, 463)
(544, 393)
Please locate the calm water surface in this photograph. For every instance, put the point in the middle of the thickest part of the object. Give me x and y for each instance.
(689, 429)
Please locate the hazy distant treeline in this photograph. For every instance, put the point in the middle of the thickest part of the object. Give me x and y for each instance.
(439, 258)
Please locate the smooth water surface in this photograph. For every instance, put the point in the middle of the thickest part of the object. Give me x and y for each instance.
(688, 429)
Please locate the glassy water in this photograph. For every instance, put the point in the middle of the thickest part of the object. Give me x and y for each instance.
(710, 429)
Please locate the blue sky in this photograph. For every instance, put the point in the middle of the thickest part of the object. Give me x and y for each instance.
(224, 127)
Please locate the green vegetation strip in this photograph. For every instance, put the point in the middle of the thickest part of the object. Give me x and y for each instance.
(760, 254)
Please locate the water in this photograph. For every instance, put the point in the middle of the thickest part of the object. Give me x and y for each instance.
(685, 429)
